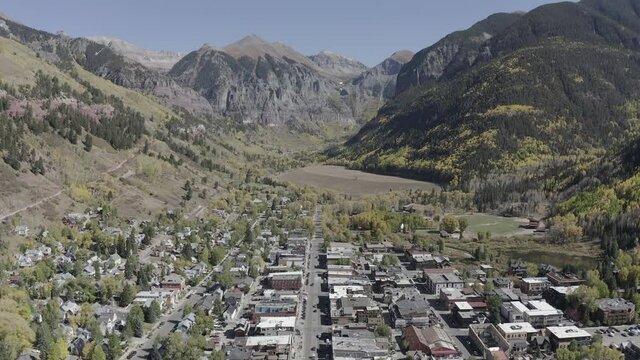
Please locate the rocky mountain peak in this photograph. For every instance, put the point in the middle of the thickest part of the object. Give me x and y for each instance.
(156, 60)
(338, 65)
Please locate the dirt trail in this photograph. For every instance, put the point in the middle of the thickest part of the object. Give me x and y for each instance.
(58, 193)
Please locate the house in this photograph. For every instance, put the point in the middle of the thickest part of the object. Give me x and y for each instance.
(230, 311)
(69, 308)
(615, 311)
(518, 269)
(435, 281)
(433, 341)
(478, 274)
(115, 260)
(83, 337)
(108, 320)
(233, 296)
(186, 323)
(241, 328)
(22, 230)
(501, 282)
(562, 336)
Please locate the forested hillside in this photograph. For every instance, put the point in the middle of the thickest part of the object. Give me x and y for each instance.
(559, 84)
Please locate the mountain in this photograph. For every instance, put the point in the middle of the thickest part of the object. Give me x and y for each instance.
(105, 62)
(452, 52)
(337, 65)
(379, 82)
(156, 60)
(261, 82)
(559, 82)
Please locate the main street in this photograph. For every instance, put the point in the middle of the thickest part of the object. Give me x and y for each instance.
(310, 324)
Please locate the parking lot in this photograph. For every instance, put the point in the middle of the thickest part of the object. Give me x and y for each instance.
(616, 334)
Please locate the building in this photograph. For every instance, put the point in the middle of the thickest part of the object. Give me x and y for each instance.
(534, 285)
(414, 310)
(271, 326)
(348, 348)
(488, 339)
(517, 331)
(449, 296)
(22, 230)
(273, 308)
(560, 279)
(436, 281)
(424, 260)
(273, 345)
(285, 280)
(433, 341)
(557, 295)
(615, 311)
(360, 309)
(173, 282)
(562, 336)
(539, 313)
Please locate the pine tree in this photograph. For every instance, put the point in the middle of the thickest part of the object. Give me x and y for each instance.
(88, 143)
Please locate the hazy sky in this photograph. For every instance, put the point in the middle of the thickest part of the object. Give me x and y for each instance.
(368, 30)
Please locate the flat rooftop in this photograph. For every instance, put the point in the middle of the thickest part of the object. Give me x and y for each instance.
(274, 322)
(253, 341)
(517, 328)
(567, 332)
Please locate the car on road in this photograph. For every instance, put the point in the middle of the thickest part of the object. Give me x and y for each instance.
(131, 355)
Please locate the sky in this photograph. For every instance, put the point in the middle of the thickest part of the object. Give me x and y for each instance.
(366, 30)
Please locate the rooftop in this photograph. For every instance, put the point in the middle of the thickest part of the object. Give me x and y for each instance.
(567, 332)
(517, 328)
(618, 304)
(253, 341)
(275, 322)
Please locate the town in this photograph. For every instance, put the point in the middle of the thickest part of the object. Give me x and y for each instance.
(265, 277)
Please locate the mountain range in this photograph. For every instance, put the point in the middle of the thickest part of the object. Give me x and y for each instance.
(250, 81)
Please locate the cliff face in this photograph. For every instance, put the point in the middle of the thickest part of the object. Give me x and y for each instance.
(379, 82)
(453, 52)
(265, 83)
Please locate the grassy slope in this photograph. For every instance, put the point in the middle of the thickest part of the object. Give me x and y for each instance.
(148, 184)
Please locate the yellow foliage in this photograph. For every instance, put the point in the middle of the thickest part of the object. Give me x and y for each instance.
(80, 193)
(510, 110)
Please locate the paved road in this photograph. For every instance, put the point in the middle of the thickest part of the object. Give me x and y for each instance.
(311, 326)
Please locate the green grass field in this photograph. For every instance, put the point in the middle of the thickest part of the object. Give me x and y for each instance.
(497, 225)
